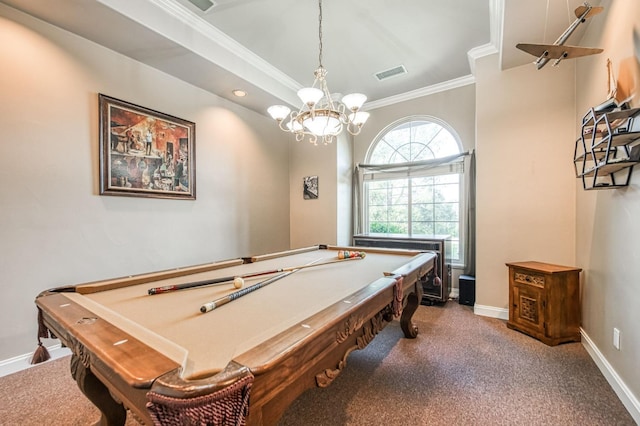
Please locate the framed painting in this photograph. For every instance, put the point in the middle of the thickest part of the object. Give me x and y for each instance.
(310, 187)
(145, 153)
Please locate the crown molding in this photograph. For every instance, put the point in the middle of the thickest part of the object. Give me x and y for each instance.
(178, 24)
(216, 36)
(418, 93)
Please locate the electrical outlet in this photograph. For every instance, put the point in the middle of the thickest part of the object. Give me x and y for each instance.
(616, 338)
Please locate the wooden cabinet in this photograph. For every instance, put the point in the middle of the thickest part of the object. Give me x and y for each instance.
(544, 301)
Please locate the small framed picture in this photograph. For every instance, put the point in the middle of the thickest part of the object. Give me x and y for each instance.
(310, 187)
(145, 153)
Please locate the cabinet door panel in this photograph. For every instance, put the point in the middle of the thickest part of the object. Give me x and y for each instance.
(527, 310)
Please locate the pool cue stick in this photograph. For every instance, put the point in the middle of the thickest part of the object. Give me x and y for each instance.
(168, 288)
(210, 306)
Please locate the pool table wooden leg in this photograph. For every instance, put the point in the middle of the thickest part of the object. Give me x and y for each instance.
(409, 328)
(112, 413)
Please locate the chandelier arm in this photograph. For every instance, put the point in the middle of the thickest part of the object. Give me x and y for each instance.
(353, 129)
(280, 125)
(313, 138)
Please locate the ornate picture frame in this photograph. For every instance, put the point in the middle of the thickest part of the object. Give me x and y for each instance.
(145, 153)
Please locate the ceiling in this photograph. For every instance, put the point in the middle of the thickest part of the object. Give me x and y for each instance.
(269, 48)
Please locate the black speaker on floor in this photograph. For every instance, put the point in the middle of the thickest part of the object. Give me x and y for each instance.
(467, 290)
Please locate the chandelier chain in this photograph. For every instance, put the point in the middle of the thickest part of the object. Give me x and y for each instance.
(320, 33)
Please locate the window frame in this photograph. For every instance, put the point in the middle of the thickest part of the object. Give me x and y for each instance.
(451, 168)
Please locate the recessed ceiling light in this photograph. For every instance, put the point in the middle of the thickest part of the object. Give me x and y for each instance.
(239, 93)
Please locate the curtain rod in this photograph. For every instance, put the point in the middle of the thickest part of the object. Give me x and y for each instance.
(435, 162)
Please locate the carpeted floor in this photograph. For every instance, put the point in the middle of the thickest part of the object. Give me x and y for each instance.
(462, 369)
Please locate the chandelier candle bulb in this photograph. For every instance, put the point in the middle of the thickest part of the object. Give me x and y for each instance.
(278, 112)
(359, 118)
(310, 96)
(354, 101)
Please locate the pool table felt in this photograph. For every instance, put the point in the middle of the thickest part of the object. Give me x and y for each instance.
(205, 343)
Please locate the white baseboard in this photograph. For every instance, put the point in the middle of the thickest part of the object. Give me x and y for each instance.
(628, 399)
(22, 362)
(491, 311)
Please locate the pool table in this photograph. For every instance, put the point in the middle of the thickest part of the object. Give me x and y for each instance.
(161, 358)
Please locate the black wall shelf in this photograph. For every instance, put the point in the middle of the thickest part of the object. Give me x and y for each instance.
(608, 148)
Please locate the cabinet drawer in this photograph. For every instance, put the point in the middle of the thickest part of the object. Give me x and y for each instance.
(526, 277)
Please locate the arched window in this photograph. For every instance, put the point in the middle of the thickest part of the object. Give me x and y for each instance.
(413, 182)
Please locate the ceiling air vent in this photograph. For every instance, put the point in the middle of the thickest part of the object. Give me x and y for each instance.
(203, 5)
(392, 72)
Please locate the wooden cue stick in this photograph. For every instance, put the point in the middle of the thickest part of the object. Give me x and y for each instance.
(168, 288)
(210, 306)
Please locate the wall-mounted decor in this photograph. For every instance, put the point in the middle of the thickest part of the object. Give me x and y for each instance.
(310, 187)
(145, 153)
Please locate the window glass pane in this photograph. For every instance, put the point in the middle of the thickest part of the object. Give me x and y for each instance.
(422, 212)
(398, 194)
(399, 213)
(378, 214)
(427, 180)
(399, 135)
(378, 197)
(422, 194)
(446, 228)
(422, 228)
(378, 227)
(447, 193)
(421, 152)
(402, 154)
(455, 250)
(398, 228)
(444, 145)
(377, 184)
(446, 212)
(381, 153)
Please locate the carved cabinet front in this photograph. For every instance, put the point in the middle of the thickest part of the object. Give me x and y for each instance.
(544, 301)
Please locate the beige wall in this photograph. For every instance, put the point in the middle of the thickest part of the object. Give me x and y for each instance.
(57, 230)
(525, 176)
(327, 219)
(607, 244)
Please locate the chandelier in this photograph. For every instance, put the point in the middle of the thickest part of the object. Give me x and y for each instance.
(321, 116)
